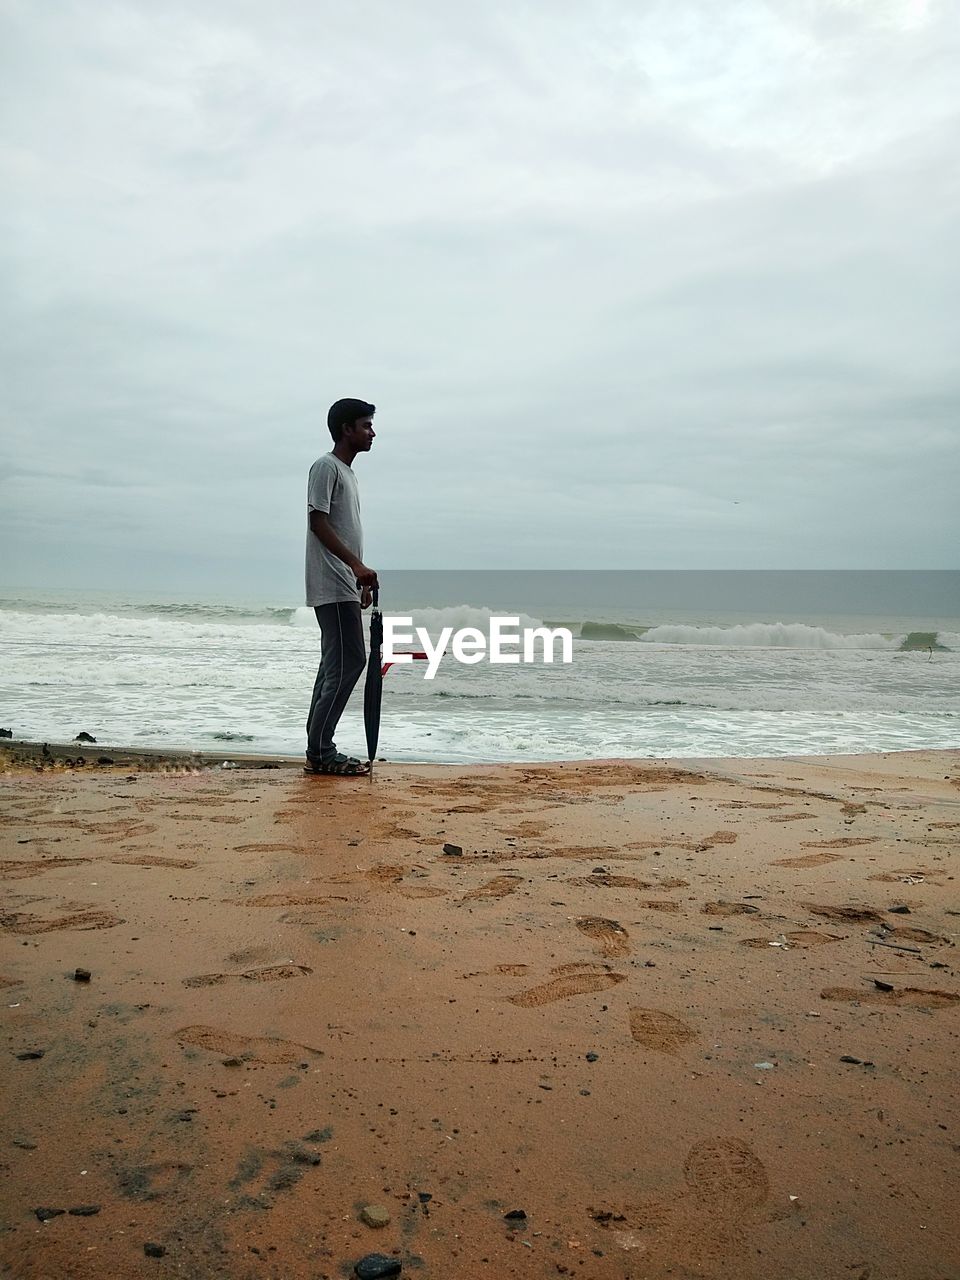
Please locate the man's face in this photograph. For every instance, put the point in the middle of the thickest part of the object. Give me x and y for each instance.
(361, 434)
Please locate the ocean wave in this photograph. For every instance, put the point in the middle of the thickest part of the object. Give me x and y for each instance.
(185, 611)
(769, 635)
(47, 622)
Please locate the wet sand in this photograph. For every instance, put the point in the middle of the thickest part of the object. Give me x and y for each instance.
(300, 1005)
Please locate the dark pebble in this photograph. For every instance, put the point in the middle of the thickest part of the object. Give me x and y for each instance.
(515, 1215)
(882, 986)
(24, 1144)
(424, 1196)
(154, 1250)
(593, 1057)
(31, 1055)
(453, 851)
(104, 759)
(233, 1062)
(44, 1213)
(848, 1057)
(82, 975)
(374, 1265)
(900, 909)
(84, 1210)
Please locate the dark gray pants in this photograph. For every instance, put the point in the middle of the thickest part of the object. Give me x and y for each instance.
(342, 659)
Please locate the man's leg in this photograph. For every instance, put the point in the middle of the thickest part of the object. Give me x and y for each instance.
(343, 658)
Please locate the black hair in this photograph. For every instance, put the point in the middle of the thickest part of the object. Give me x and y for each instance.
(345, 412)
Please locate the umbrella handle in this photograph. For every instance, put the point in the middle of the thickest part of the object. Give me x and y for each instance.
(376, 597)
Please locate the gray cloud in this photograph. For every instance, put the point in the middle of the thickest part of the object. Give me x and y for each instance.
(664, 286)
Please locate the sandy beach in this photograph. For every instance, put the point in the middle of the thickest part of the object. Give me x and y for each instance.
(692, 1019)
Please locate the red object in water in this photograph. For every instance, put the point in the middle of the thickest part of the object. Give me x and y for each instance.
(387, 665)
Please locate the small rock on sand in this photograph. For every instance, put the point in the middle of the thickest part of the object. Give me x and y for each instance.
(375, 1215)
(375, 1265)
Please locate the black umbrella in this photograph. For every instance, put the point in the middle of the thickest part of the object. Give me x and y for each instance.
(373, 687)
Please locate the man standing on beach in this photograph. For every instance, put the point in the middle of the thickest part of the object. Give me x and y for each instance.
(339, 584)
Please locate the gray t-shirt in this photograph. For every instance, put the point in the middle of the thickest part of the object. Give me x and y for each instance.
(332, 488)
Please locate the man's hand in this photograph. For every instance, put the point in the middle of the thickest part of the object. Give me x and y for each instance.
(365, 577)
(366, 597)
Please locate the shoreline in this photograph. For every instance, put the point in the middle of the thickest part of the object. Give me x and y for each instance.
(696, 1018)
(16, 751)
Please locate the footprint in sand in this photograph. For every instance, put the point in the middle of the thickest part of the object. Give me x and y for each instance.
(655, 1029)
(281, 900)
(788, 817)
(118, 828)
(912, 934)
(610, 936)
(751, 804)
(853, 913)
(577, 966)
(422, 891)
(153, 860)
(498, 887)
(659, 904)
(903, 997)
(841, 842)
(807, 860)
(272, 973)
(269, 848)
(22, 922)
(721, 837)
(713, 1220)
(574, 984)
(13, 870)
(385, 873)
(265, 1049)
(726, 1171)
(728, 909)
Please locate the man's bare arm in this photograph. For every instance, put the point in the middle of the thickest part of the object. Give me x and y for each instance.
(320, 525)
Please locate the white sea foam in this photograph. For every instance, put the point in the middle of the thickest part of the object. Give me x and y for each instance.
(769, 635)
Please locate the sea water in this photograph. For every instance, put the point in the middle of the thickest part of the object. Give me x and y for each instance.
(654, 674)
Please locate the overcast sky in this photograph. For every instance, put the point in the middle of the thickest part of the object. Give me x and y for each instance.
(632, 284)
